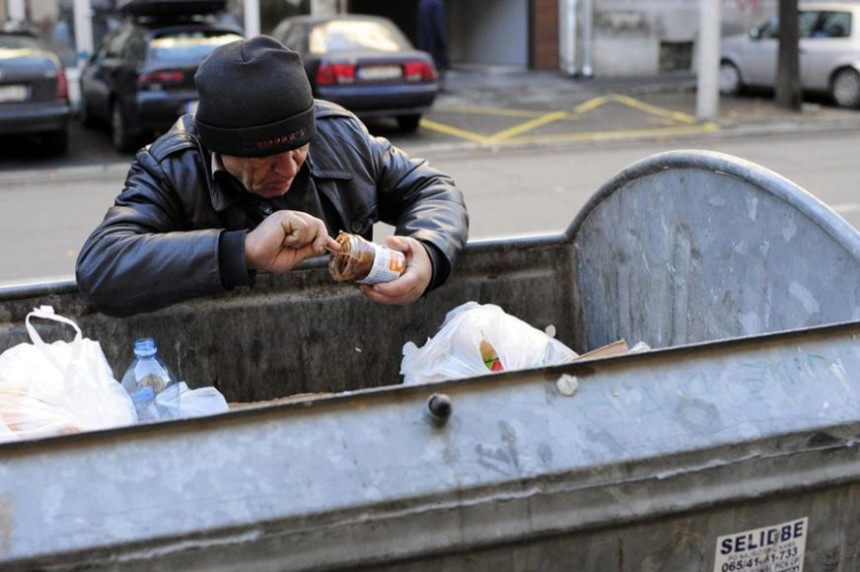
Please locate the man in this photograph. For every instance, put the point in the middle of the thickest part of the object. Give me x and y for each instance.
(433, 35)
(262, 177)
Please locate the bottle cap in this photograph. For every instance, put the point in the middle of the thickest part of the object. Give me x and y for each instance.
(145, 347)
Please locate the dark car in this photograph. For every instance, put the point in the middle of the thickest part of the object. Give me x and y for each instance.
(364, 63)
(142, 77)
(34, 92)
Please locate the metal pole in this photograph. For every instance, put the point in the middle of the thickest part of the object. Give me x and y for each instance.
(587, 38)
(252, 18)
(708, 85)
(83, 15)
(17, 11)
(567, 36)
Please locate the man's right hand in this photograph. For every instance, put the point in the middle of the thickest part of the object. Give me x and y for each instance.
(284, 239)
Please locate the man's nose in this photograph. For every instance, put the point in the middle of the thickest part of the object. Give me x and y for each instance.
(286, 166)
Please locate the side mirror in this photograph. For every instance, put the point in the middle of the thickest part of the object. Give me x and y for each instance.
(755, 33)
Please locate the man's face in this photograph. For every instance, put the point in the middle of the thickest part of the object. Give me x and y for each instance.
(269, 176)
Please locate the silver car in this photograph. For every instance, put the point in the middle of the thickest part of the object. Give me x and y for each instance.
(829, 52)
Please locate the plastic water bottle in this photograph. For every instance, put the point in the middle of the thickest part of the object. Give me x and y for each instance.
(149, 381)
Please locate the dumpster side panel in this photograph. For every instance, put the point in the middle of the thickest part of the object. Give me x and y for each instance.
(730, 435)
(690, 246)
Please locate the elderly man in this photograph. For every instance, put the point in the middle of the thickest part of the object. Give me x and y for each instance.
(262, 177)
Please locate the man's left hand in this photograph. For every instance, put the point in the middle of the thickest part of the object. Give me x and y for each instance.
(414, 280)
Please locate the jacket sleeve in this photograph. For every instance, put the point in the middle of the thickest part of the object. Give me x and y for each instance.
(142, 257)
(422, 202)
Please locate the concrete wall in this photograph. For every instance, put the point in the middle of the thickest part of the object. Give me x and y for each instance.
(636, 37)
(489, 32)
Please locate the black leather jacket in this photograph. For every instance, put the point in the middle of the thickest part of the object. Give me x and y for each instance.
(177, 229)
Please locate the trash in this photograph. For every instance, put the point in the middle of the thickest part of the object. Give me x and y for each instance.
(148, 378)
(58, 388)
(184, 402)
(478, 339)
(364, 262)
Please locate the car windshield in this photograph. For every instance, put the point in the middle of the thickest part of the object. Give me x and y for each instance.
(338, 36)
(184, 46)
(20, 50)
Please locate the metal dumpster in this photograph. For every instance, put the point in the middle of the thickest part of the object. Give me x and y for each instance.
(731, 445)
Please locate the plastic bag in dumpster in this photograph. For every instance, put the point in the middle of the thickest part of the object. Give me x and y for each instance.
(478, 339)
(190, 402)
(58, 388)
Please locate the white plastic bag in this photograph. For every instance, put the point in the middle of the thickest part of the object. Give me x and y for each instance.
(58, 388)
(191, 402)
(468, 335)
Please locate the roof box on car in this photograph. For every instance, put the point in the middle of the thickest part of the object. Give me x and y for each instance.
(171, 7)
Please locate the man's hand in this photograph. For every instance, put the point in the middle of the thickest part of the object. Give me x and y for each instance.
(284, 239)
(414, 280)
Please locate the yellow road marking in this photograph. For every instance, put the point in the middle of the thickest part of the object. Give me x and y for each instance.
(500, 111)
(450, 130)
(542, 118)
(591, 104)
(653, 110)
(527, 126)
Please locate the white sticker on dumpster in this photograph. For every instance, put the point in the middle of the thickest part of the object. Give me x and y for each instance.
(777, 548)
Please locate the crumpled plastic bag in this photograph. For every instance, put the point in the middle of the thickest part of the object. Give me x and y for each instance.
(187, 402)
(480, 339)
(58, 388)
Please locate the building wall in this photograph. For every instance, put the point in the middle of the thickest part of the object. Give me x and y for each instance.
(648, 37)
(489, 32)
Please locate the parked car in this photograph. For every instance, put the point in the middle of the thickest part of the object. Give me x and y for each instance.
(364, 63)
(34, 91)
(829, 47)
(142, 77)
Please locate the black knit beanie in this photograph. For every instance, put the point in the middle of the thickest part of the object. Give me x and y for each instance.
(254, 99)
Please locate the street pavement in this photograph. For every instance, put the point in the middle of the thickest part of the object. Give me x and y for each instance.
(506, 108)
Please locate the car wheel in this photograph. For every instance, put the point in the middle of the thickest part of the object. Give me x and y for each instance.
(730, 79)
(123, 141)
(846, 88)
(408, 123)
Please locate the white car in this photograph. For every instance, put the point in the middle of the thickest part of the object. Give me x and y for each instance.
(829, 52)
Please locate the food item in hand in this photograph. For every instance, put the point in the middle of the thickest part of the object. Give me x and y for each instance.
(364, 262)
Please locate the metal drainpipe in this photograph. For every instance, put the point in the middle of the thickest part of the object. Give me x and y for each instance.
(587, 38)
(252, 18)
(17, 11)
(567, 36)
(83, 23)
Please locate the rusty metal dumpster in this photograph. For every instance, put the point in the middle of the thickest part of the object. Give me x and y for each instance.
(731, 445)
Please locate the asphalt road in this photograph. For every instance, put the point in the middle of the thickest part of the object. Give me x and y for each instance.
(47, 215)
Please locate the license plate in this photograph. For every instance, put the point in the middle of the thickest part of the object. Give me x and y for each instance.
(379, 73)
(13, 93)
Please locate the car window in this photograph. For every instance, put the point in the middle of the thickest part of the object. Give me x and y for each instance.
(807, 22)
(833, 25)
(16, 42)
(339, 36)
(769, 29)
(292, 38)
(188, 45)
